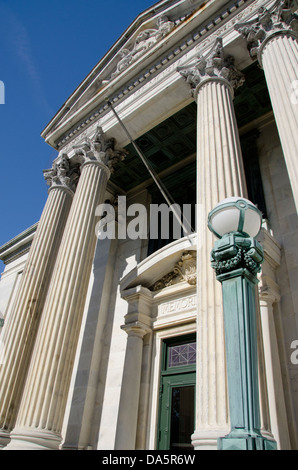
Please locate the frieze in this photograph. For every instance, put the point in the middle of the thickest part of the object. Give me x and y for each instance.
(184, 304)
(248, 11)
(145, 40)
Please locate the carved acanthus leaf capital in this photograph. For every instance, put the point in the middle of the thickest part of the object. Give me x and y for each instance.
(281, 17)
(214, 65)
(100, 149)
(62, 174)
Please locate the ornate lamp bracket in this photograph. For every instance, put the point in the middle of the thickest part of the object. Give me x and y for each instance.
(234, 252)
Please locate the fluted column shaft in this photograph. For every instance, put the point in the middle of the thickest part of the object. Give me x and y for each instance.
(269, 296)
(41, 413)
(272, 38)
(45, 394)
(220, 175)
(130, 390)
(279, 59)
(19, 331)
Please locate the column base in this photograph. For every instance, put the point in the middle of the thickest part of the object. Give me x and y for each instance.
(246, 443)
(33, 439)
(4, 439)
(207, 439)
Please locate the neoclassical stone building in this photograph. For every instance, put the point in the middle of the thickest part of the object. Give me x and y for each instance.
(118, 342)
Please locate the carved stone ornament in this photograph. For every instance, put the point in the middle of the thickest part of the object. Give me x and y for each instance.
(99, 148)
(212, 65)
(279, 18)
(184, 270)
(144, 41)
(239, 253)
(62, 174)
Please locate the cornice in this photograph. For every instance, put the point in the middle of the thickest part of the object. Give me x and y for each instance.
(18, 246)
(191, 37)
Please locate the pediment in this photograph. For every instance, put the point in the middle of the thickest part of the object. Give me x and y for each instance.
(128, 52)
(135, 46)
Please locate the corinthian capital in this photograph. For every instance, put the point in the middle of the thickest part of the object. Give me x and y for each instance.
(100, 149)
(61, 174)
(214, 65)
(281, 17)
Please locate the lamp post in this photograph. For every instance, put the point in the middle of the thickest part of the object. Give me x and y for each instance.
(236, 258)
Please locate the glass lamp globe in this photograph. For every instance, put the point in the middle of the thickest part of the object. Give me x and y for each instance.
(235, 214)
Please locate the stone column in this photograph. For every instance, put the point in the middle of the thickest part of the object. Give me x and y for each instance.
(269, 295)
(137, 326)
(20, 329)
(41, 413)
(220, 175)
(130, 390)
(272, 39)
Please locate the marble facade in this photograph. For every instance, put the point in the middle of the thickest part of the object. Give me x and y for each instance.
(86, 320)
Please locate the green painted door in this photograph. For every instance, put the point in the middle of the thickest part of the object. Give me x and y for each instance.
(177, 410)
(177, 395)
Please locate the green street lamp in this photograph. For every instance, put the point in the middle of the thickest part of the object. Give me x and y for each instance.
(236, 258)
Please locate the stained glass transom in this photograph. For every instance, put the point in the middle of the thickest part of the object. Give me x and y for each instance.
(182, 355)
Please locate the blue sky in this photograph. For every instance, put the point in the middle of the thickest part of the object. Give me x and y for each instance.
(47, 48)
